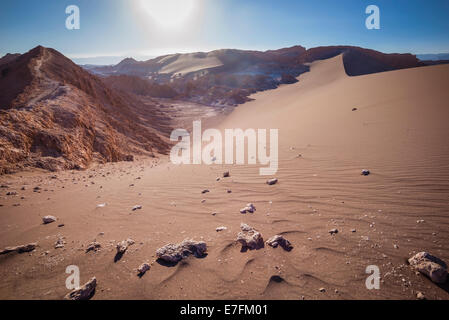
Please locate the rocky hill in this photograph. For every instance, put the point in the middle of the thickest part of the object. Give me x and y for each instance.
(55, 115)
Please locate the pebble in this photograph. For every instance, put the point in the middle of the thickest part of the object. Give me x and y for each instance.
(48, 219)
(420, 296)
(365, 172)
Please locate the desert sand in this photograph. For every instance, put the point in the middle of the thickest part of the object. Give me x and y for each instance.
(399, 132)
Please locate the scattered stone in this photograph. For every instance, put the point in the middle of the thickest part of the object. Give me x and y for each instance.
(48, 219)
(226, 174)
(431, 266)
(94, 246)
(20, 249)
(353, 230)
(37, 189)
(137, 207)
(395, 246)
(11, 193)
(205, 191)
(221, 229)
(279, 240)
(354, 109)
(419, 221)
(123, 246)
(249, 208)
(322, 290)
(218, 179)
(61, 225)
(85, 292)
(333, 231)
(101, 205)
(272, 181)
(249, 237)
(229, 191)
(420, 296)
(144, 267)
(176, 252)
(214, 213)
(365, 172)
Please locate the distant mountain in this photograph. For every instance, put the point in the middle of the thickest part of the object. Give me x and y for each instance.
(229, 76)
(56, 115)
(433, 56)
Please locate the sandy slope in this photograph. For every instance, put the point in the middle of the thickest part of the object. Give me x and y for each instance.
(399, 132)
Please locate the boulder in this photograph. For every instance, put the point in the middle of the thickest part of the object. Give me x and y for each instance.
(176, 252)
(249, 237)
(279, 240)
(83, 293)
(431, 266)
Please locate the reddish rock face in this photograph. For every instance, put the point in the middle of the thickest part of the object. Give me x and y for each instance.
(55, 115)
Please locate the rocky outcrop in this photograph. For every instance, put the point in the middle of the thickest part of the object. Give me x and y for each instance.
(431, 266)
(55, 115)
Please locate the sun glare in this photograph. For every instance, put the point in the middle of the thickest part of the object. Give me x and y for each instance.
(169, 13)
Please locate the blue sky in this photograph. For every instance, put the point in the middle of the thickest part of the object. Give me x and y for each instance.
(129, 28)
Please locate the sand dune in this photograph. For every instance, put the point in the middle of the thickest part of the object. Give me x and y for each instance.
(191, 62)
(399, 132)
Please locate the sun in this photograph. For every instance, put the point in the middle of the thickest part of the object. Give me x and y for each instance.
(169, 13)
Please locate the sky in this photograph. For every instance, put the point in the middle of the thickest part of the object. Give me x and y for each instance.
(113, 29)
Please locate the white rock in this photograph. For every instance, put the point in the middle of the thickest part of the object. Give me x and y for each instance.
(272, 181)
(221, 229)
